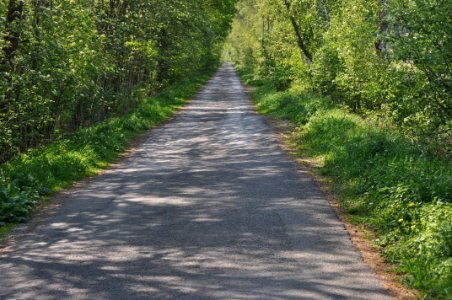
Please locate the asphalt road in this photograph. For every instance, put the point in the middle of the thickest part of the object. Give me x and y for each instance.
(209, 207)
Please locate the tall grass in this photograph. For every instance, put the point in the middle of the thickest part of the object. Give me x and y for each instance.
(40, 172)
(385, 181)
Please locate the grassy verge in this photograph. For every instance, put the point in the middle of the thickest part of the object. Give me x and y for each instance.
(33, 176)
(385, 181)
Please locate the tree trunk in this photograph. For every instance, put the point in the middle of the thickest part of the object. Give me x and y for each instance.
(304, 52)
(380, 44)
(162, 73)
(324, 11)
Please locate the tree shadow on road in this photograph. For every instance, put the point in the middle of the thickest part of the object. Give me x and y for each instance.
(208, 208)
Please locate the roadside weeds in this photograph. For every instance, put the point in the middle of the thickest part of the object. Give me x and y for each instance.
(133, 130)
(360, 236)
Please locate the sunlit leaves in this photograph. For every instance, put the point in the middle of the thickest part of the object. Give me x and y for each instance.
(388, 57)
(76, 63)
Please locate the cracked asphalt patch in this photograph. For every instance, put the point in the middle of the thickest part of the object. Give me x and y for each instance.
(209, 207)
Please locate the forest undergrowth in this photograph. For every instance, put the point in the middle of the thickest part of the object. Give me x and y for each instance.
(368, 85)
(40, 172)
(80, 79)
(386, 182)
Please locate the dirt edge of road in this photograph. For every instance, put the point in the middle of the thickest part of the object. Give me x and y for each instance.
(361, 237)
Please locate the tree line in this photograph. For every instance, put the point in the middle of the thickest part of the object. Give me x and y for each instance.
(68, 64)
(390, 58)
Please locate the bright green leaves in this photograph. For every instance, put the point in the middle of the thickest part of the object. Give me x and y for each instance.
(385, 181)
(17, 199)
(388, 61)
(68, 64)
(46, 169)
(386, 56)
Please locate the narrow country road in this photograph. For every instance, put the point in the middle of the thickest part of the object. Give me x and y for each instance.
(209, 207)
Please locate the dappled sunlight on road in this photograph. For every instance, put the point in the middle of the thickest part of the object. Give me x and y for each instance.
(208, 208)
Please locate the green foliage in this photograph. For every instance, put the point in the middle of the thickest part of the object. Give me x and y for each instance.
(389, 62)
(385, 181)
(41, 171)
(385, 57)
(66, 64)
(420, 33)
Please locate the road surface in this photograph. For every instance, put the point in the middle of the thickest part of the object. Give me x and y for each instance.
(209, 207)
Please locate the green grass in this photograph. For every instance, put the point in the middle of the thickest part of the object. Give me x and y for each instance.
(28, 179)
(385, 181)
(5, 229)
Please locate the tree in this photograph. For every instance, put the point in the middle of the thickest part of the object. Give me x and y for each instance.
(68, 64)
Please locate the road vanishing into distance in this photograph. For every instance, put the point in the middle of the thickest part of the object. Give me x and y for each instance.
(208, 207)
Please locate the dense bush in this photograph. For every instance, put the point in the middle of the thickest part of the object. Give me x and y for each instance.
(385, 181)
(43, 170)
(387, 61)
(389, 57)
(69, 64)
